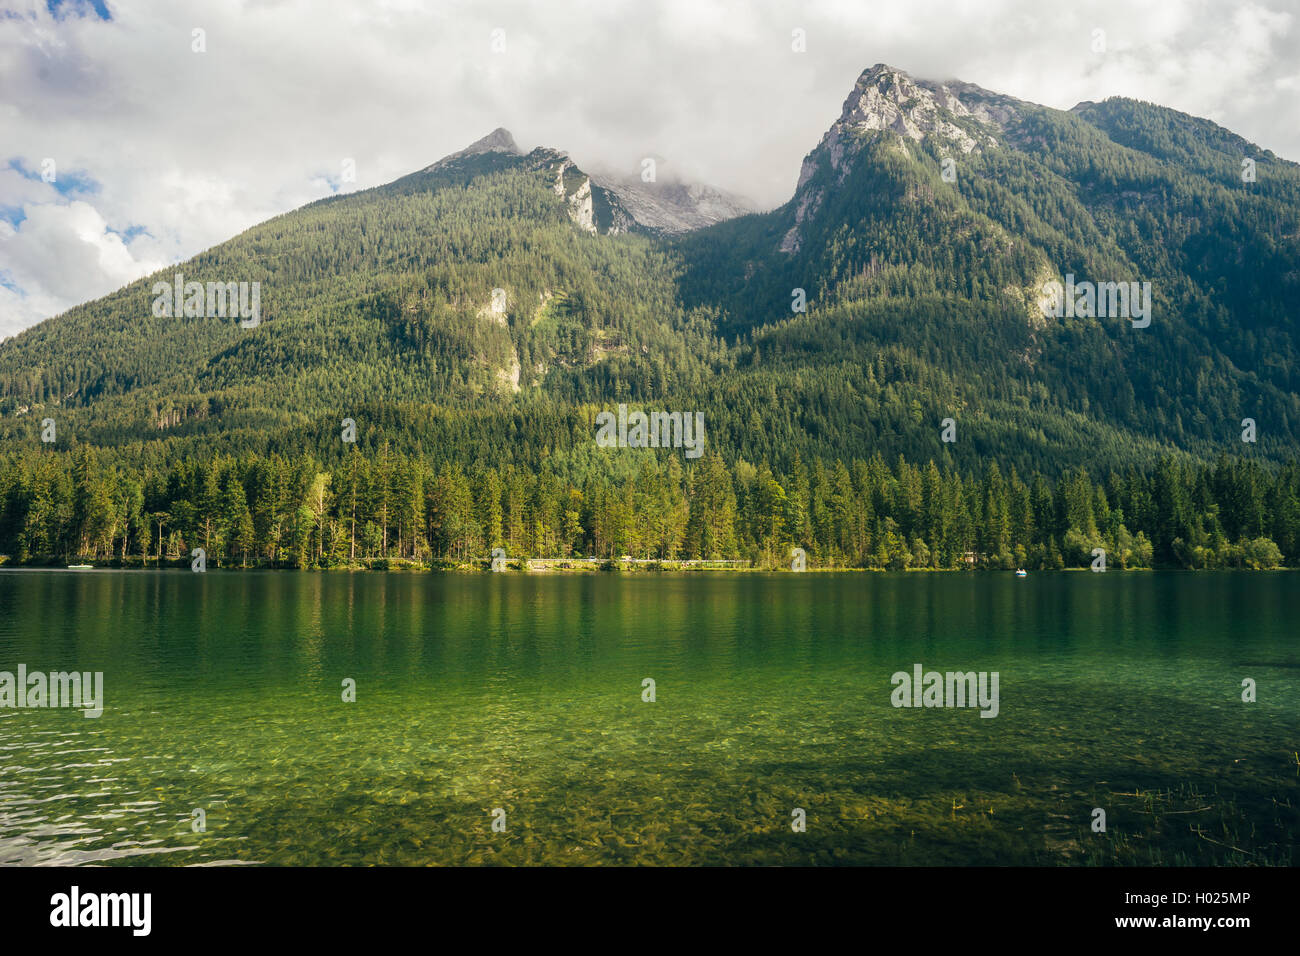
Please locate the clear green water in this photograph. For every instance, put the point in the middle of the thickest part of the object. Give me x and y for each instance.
(223, 692)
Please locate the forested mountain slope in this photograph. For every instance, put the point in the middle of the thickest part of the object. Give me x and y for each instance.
(947, 275)
(473, 317)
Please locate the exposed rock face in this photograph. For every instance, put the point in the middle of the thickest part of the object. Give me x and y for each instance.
(591, 207)
(497, 141)
(809, 203)
(495, 310)
(673, 207)
(886, 100)
(508, 378)
(581, 209)
(609, 204)
(572, 185)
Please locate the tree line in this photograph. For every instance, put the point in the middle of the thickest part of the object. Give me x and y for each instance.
(374, 507)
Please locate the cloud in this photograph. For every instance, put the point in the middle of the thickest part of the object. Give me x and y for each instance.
(57, 256)
(186, 149)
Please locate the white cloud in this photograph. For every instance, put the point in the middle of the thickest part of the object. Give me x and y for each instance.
(192, 148)
(60, 255)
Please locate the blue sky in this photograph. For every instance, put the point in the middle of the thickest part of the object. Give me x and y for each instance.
(78, 8)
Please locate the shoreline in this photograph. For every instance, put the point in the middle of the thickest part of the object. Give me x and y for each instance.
(555, 566)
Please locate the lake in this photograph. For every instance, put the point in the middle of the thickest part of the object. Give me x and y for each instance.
(520, 701)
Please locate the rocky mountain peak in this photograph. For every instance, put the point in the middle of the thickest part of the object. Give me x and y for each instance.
(612, 203)
(497, 141)
(887, 100)
(671, 205)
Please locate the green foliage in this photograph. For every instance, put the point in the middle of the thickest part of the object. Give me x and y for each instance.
(475, 427)
(381, 506)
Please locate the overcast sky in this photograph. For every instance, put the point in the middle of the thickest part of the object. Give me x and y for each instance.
(160, 152)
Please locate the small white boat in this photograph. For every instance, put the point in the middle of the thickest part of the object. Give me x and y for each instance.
(1021, 573)
(80, 567)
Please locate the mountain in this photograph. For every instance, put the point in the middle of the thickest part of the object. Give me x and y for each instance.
(886, 373)
(497, 141)
(589, 205)
(887, 100)
(605, 202)
(921, 234)
(668, 207)
(381, 295)
(944, 275)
